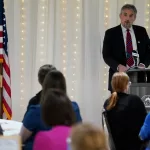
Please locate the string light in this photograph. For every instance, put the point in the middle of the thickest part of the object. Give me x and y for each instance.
(22, 55)
(64, 34)
(42, 28)
(75, 46)
(106, 25)
(147, 16)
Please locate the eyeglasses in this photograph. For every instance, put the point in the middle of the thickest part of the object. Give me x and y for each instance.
(129, 83)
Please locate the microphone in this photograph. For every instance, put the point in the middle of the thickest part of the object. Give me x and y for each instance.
(135, 57)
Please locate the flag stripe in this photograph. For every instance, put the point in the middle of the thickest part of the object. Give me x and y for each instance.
(6, 88)
(6, 77)
(6, 112)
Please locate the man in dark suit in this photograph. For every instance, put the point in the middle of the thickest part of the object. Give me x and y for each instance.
(120, 41)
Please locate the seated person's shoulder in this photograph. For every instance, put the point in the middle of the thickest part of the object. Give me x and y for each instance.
(35, 100)
(75, 105)
(33, 110)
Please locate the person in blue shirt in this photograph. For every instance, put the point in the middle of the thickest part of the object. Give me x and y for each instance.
(32, 122)
(145, 131)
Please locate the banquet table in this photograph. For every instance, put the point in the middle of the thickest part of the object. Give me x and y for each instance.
(10, 127)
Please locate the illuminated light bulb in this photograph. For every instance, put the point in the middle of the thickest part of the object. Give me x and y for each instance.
(77, 22)
(64, 68)
(104, 89)
(42, 53)
(106, 8)
(75, 45)
(22, 23)
(148, 12)
(42, 15)
(72, 89)
(22, 46)
(22, 91)
(22, 61)
(21, 83)
(76, 37)
(64, 54)
(75, 52)
(64, 31)
(22, 31)
(148, 5)
(64, 46)
(22, 54)
(105, 67)
(78, 15)
(42, 38)
(22, 16)
(43, 7)
(76, 30)
(64, 61)
(104, 74)
(104, 81)
(73, 74)
(22, 8)
(106, 16)
(74, 59)
(22, 69)
(64, 39)
(43, 22)
(71, 96)
(42, 30)
(78, 7)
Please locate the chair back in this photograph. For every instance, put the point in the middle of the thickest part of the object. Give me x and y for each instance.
(105, 122)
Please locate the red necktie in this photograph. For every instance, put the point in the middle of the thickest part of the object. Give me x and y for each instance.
(129, 49)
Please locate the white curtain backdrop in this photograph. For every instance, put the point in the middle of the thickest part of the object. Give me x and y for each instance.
(68, 34)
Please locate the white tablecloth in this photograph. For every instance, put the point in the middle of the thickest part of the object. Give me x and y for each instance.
(10, 127)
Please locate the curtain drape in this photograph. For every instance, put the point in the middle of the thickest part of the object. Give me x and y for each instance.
(68, 34)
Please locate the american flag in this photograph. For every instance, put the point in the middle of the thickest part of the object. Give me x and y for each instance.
(6, 88)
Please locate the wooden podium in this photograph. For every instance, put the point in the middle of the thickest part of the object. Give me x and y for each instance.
(142, 89)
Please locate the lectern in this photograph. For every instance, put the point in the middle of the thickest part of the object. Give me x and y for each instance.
(142, 89)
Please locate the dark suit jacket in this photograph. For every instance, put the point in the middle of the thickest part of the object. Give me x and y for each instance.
(125, 121)
(114, 48)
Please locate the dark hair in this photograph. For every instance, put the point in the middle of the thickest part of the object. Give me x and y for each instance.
(57, 108)
(129, 6)
(55, 80)
(43, 71)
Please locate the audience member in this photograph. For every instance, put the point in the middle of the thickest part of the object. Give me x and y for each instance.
(125, 114)
(87, 137)
(32, 122)
(57, 112)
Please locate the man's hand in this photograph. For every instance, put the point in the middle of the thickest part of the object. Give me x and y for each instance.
(122, 68)
(142, 66)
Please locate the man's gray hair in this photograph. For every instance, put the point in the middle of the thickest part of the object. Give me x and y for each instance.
(129, 6)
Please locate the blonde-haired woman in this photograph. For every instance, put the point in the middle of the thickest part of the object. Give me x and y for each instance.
(125, 114)
(87, 137)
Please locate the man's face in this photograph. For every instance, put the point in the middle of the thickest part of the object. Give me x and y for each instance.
(127, 18)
